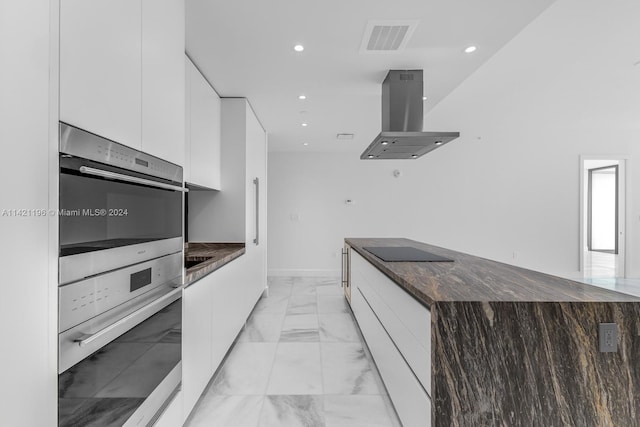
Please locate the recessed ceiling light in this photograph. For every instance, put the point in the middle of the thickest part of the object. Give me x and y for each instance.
(302, 96)
(470, 49)
(298, 48)
(305, 144)
(424, 98)
(414, 156)
(438, 142)
(305, 124)
(384, 143)
(370, 156)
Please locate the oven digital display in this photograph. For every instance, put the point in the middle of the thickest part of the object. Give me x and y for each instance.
(142, 162)
(140, 279)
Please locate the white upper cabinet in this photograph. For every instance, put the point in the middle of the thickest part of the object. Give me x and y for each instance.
(203, 122)
(122, 72)
(163, 74)
(100, 67)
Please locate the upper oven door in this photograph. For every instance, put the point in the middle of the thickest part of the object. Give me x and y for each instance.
(111, 217)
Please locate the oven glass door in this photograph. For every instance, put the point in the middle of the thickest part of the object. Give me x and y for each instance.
(98, 213)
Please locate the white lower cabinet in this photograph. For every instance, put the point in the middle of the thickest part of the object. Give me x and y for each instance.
(215, 310)
(196, 340)
(399, 354)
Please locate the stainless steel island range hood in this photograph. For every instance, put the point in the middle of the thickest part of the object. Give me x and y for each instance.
(402, 115)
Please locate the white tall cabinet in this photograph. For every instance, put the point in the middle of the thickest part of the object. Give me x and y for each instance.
(217, 305)
(29, 115)
(238, 212)
(122, 72)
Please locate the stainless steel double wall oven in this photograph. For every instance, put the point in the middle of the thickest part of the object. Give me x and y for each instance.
(121, 243)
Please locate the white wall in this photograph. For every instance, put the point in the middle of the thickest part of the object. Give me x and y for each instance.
(565, 86)
(28, 134)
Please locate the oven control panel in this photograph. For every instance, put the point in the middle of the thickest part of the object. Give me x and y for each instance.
(83, 300)
(80, 143)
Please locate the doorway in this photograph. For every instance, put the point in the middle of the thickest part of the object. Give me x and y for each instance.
(603, 214)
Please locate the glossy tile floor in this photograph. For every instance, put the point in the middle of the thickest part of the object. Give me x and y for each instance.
(300, 361)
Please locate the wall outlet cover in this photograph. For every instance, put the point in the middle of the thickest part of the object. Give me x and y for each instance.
(608, 337)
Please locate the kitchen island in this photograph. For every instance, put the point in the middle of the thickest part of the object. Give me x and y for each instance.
(475, 342)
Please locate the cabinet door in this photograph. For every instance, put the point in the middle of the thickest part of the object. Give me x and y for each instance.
(204, 131)
(163, 99)
(196, 341)
(256, 203)
(187, 119)
(229, 307)
(100, 67)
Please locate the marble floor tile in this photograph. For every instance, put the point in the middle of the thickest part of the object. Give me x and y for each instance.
(305, 281)
(328, 280)
(89, 376)
(262, 328)
(296, 369)
(329, 287)
(272, 304)
(297, 289)
(346, 370)
(332, 304)
(226, 411)
(356, 411)
(300, 327)
(280, 285)
(292, 411)
(148, 370)
(277, 280)
(302, 304)
(246, 370)
(338, 327)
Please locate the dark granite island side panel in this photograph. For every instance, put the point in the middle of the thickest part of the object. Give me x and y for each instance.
(534, 364)
(514, 347)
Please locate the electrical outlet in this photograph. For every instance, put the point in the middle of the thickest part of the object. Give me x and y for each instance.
(608, 337)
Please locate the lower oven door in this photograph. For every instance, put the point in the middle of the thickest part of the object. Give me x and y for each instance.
(128, 381)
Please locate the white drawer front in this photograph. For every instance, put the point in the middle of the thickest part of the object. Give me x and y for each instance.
(409, 398)
(406, 320)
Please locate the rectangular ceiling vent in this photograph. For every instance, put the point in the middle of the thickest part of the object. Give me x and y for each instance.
(387, 36)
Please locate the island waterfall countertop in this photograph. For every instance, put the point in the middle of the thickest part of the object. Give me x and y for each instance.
(515, 347)
(208, 257)
(470, 278)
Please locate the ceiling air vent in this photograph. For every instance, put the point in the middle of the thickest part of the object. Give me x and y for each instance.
(387, 36)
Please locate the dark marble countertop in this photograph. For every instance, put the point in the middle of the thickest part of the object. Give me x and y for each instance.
(212, 255)
(470, 278)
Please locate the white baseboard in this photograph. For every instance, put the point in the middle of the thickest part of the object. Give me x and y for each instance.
(284, 272)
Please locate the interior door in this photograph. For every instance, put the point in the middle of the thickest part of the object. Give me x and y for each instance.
(602, 216)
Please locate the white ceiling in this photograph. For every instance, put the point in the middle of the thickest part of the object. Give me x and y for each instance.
(245, 48)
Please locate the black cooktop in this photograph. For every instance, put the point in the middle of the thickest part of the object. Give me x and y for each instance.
(404, 254)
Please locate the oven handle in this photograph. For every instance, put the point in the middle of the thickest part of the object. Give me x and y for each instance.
(89, 338)
(107, 174)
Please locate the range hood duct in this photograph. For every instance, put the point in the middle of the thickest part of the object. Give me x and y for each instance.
(402, 116)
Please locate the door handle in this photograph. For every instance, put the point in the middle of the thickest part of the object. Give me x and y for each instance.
(257, 184)
(89, 338)
(114, 175)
